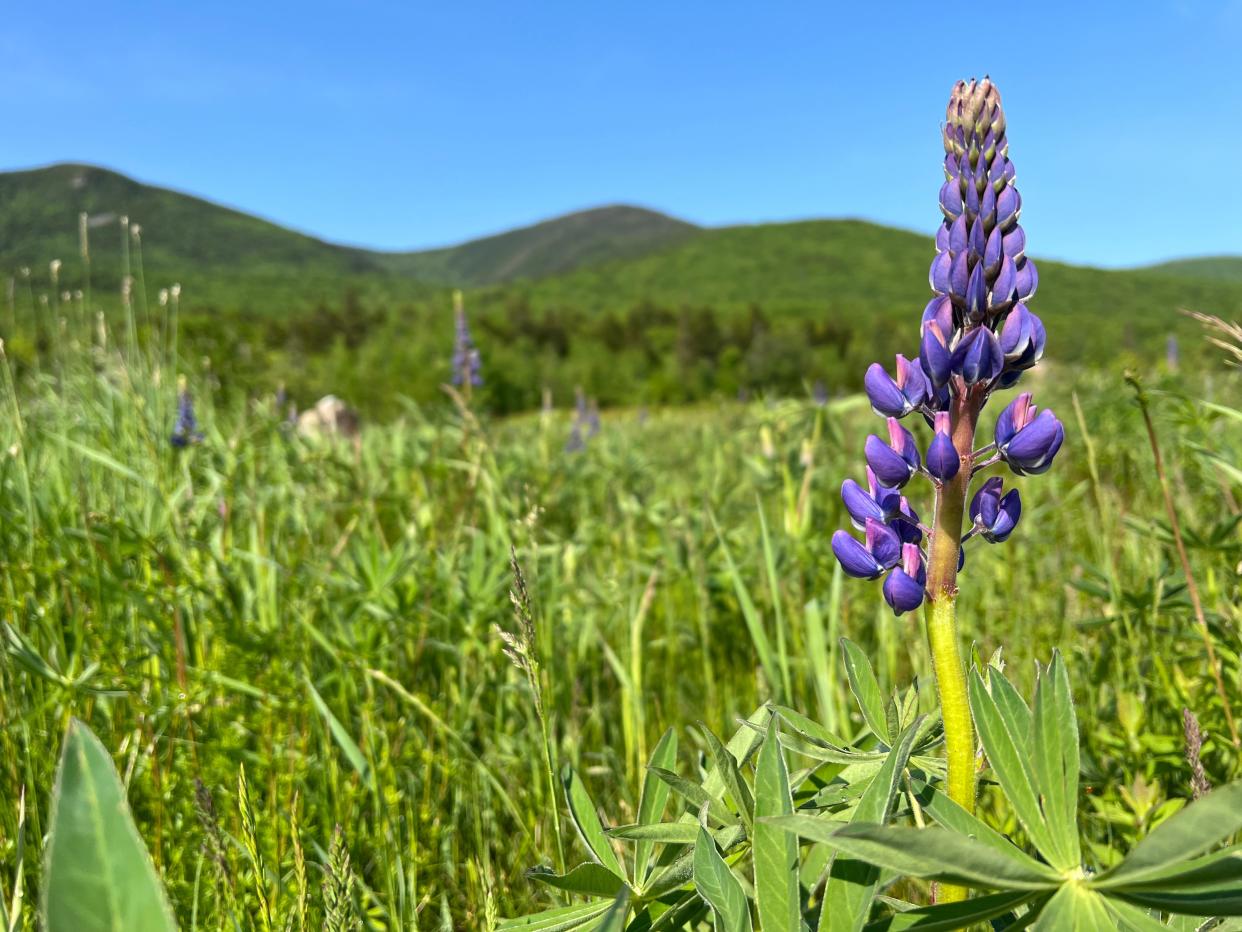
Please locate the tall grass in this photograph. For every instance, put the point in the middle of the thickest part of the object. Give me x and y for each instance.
(326, 618)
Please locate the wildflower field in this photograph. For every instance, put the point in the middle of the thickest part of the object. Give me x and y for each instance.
(595, 667)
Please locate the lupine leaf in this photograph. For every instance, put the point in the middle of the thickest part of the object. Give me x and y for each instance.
(695, 794)
(1190, 832)
(851, 884)
(680, 871)
(1074, 908)
(589, 879)
(719, 888)
(1054, 734)
(952, 816)
(948, 916)
(560, 919)
(929, 853)
(614, 919)
(1225, 902)
(667, 833)
(808, 728)
(773, 850)
(1131, 918)
(1008, 754)
(1209, 871)
(866, 690)
(726, 766)
(98, 876)
(586, 820)
(653, 800)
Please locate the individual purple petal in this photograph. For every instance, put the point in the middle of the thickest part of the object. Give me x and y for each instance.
(1028, 280)
(942, 237)
(977, 294)
(883, 543)
(978, 241)
(940, 310)
(938, 276)
(1013, 244)
(934, 355)
(972, 200)
(1016, 415)
(905, 521)
(951, 199)
(912, 381)
(986, 501)
(1006, 286)
(987, 208)
(1007, 517)
(1008, 206)
(896, 461)
(993, 252)
(958, 235)
(1016, 333)
(860, 504)
(959, 275)
(854, 558)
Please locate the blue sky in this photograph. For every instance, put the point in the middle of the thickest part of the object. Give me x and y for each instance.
(411, 124)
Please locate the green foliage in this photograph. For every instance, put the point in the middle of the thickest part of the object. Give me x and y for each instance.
(98, 874)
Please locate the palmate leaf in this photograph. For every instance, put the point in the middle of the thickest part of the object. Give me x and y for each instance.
(715, 883)
(1004, 732)
(98, 876)
(586, 820)
(1200, 826)
(1054, 733)
(774, 851)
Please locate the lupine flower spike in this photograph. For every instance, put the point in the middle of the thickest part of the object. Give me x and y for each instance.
(467, 369)
(185, 429)
(977, 336)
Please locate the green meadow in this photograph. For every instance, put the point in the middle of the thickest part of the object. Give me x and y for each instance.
(328, 616)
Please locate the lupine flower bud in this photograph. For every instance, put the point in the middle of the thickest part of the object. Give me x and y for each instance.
(896, 461)
(896, 397)
(995, 516)
(1025, 440)
(943, 460)
(978, 357)
(903, 589)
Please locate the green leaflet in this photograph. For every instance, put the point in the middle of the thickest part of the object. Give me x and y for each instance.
(98, 876)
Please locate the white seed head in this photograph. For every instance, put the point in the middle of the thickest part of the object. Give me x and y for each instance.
(55, 265)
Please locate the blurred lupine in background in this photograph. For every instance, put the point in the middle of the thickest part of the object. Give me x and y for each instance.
(185, 429)
(467, 365)
(977, 337)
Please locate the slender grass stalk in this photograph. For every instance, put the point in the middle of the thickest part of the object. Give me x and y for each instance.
(1191, 586)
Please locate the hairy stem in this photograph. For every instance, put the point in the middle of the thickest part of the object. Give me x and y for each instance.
(946, 542)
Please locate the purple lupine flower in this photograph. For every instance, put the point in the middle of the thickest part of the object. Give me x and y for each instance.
(995, 516)
(185, 428)
(1027, 440)
(977, 337)
(897, 397)
(903, 589)
(896, 461)
(466, 361)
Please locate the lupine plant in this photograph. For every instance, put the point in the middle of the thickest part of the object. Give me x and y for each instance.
(467, 364)
(977, 337)
(815, 845)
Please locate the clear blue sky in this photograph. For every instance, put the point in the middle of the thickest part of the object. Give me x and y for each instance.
(409, 124)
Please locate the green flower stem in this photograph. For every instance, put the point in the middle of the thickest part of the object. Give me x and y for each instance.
(945, 544)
